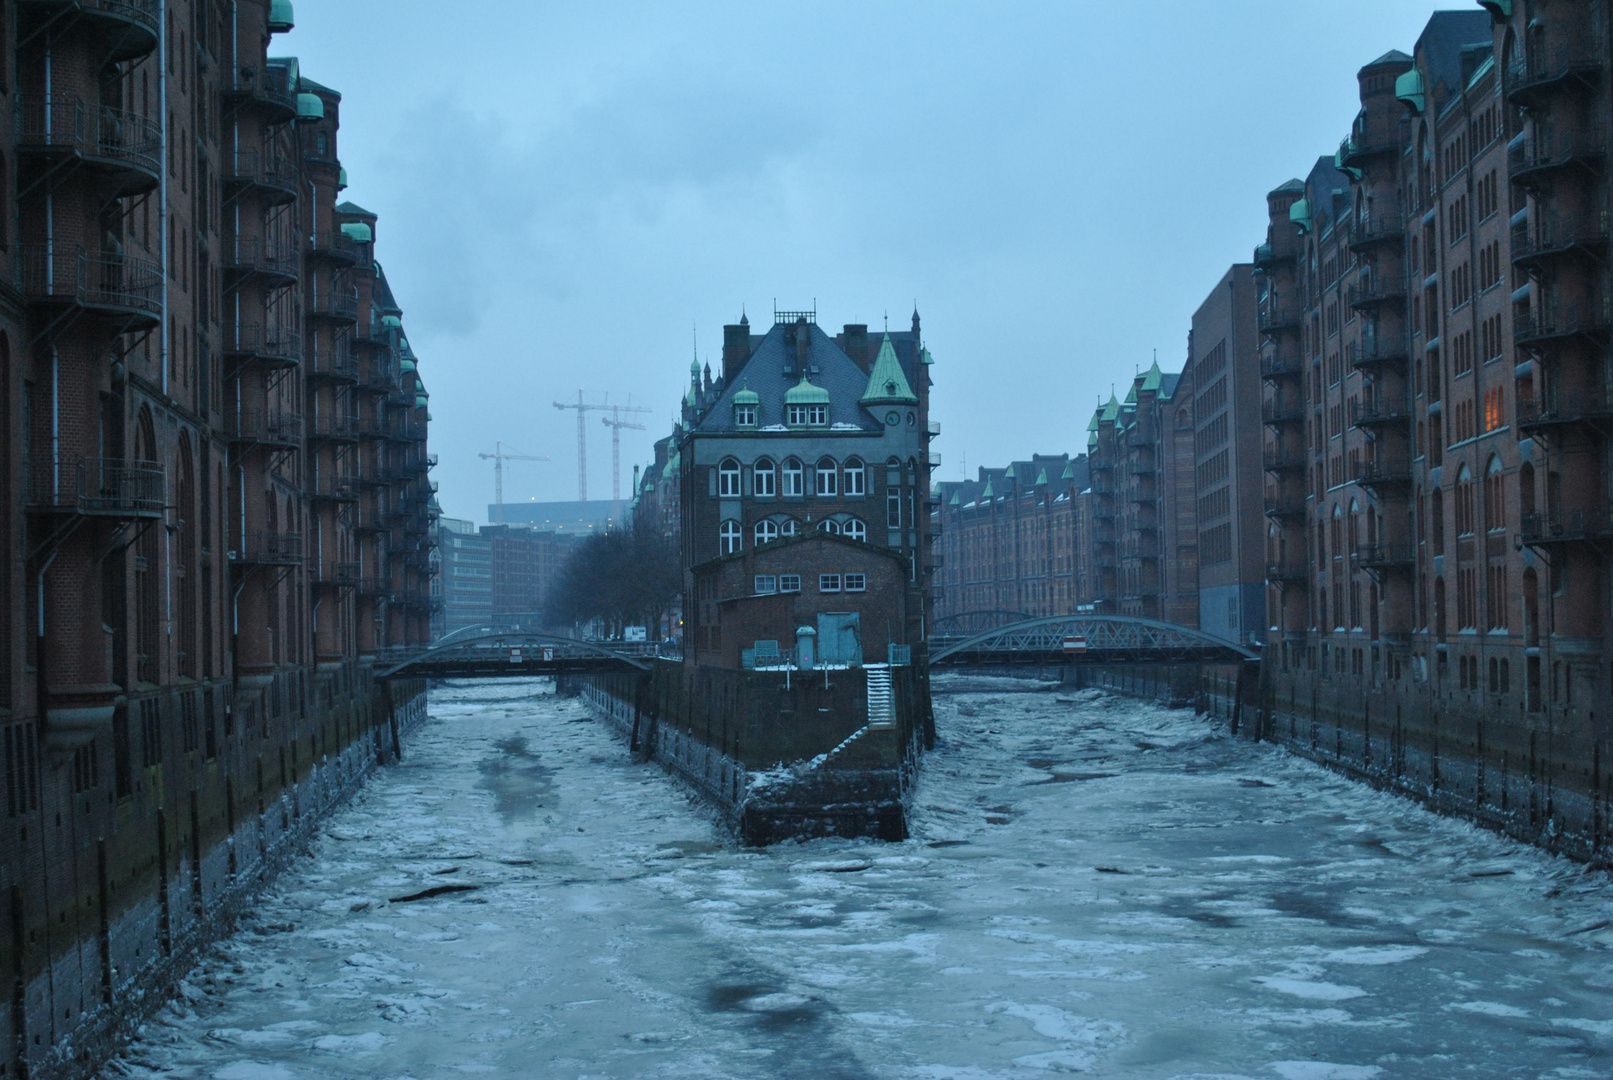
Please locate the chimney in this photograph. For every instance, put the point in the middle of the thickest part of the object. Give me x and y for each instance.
(854, 342)
(735, 350)
(803, 346)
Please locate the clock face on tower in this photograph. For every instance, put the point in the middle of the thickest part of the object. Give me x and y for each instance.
(893, 418)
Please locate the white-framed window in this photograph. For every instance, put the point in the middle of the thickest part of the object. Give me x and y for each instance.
(790, 476)
(830, 526)
(728, 479)
(856, 582)
(827, 472)
(807, 415)
(765, 531)
(789, 583)
(893, 510)
(828, 582)
(790, 527)
(766, 583)
(855, 530)
(744, 416)
(765, 477)
(729, 537)
(855, 475)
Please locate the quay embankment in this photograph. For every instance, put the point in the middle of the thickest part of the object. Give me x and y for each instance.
(108, 926)
(829, 751)
(1540, 777)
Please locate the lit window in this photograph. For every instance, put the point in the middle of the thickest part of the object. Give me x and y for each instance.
(729, 536)
(826, 476)
(828, 582)
(728, 479)
(765, 531)
(765, 478)
(791, 475)
(855, 530)
(744, 416)
(856, 582)
(767, 583)
(789, 583)
(855, 477)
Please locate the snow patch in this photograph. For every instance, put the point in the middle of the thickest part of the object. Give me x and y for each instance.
(1488, 1008)
(1374, 954)
(1304, 988)
(1324, 1070)
(253, 1070)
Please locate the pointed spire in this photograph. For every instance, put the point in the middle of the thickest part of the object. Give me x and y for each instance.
(886, 382)
(915, 317)
(743, 319)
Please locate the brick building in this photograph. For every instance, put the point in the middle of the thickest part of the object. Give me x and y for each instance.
(1008, 539)
(1435, 307)
(213, 478)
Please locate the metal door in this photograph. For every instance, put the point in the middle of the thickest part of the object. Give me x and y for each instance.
(840, 639)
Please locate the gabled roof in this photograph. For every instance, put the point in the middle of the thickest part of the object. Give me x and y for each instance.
(886, 382)
(1151, 378)
(771, 373)
(355, 209)
(1393, 56)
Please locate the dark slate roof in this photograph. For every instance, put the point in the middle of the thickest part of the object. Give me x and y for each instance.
(308, 86)
(1295, 184)
(355, 209)
(1441, 43)
(1167, 384)
(1393, 56)
(764, 373)
(382, 296)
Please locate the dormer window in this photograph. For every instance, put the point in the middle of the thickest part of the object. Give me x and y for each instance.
(744, 416)
(808, 415)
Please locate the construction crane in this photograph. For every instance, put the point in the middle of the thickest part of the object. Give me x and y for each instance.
(499, 457)
(615, 422)
(583, 408)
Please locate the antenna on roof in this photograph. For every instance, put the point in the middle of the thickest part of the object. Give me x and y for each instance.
(887, 322)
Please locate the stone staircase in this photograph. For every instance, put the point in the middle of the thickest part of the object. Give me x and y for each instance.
(881, 704)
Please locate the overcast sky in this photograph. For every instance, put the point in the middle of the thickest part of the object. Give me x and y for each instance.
(568, 192)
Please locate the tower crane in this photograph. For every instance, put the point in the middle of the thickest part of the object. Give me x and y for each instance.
(499, 457)
(615, 422)
(583, 408)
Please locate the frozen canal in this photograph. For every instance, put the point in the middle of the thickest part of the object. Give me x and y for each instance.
(1094, 885)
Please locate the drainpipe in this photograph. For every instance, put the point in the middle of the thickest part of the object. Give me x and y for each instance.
(162, 202)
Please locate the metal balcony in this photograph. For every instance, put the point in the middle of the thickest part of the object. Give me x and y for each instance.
(272, 175)
(128, 28)
(1285, 573)
(333, 428)
(1531, 163)
(1375, 233)
(328, 489)
(335, 365)
(1281, 365)
(270, 346)
(334, 246)
(1558, 235)
(1278, 412)
(1383, 474)
(1380, 557)
(1572, 65)
(1365, 295)
(1590, 526)
(1378, 352)
(265, 427)
(124, 146)
(1590, 410)
(1284, 505)
(341, 575)
(269, 90)
(115, 286)
(1376, 414)
(1278, 318)
(336, 305)
(269, 549)
(97, 487)
(1566, 321)
(259, 258)
(1283, 460)
(1268, 259)
(1367, 141)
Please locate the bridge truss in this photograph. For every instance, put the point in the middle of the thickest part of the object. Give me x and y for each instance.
(515, 654)
(1103, 639)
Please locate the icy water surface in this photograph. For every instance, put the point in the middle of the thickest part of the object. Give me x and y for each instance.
(1094, 885)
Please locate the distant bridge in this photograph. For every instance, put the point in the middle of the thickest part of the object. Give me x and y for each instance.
(1083, 639)
(507, 654)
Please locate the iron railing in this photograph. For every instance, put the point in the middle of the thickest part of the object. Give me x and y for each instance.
(271, 426)
(264, 548)
(101, 487)
(93, 131)
(249, 167)
(1567, 526)
(1562, 321)
(274, 343)
(260, 255)
(73, 275)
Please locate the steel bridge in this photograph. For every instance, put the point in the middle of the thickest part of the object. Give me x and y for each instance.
(515, 654)
(1083, 639)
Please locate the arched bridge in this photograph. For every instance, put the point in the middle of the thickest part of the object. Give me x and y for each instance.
(504, 653)
(1089, 639)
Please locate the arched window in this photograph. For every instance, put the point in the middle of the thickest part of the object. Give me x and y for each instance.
(187, 571)
(1464, 502)
(855, 477)
(1436, 521)
(765, 531)
(729, 537)
(791, 477)
(1495, 506)
(789, 527)
(830, 526)
(827, 471)
(765, 478)
(1355, 526)
(856, 530)
(728, 479)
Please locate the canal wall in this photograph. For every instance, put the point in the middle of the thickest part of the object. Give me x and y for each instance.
(781, 755)
(1539, 777)
(109, 911)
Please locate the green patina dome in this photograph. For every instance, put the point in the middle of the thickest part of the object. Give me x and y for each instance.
(804, 393)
